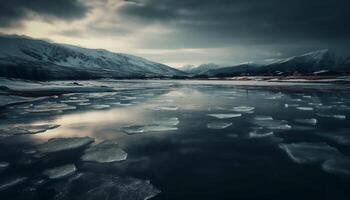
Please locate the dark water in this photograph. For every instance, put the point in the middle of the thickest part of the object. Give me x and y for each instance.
(188, 159)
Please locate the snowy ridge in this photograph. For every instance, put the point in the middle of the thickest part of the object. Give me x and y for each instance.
(58, 61)
(201, 69)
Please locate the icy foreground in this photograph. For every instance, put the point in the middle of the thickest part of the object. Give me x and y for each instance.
(106, 187)
(63, 144)
(60, 172)
(105, 152)
(164, 126)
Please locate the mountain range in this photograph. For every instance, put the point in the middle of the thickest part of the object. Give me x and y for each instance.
(316, 62)
(28, 58)
(200, 69)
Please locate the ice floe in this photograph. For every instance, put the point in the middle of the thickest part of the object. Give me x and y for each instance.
(260, 134)
(148, 128)
(312, 121)
(169, 108)
(243, 109)
(105, 152)
(225, 116)
(309, 153)
(173, 121)
(305, 108)
(49, 107)
(341, 137)
(338, 166)
(278, 96)
(100, 106)
(7, 100)
(274, 124)
(218, 125)
(290, 105)
(75, 101)
(62, 144)
(159, 128)
(12, 182)
(4, 165)
(133, 129)
(262, 118)
(92, 186)
(335, 116)
(26, 129)
(60, 172)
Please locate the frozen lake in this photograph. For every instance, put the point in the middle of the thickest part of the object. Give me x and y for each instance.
(179, 140)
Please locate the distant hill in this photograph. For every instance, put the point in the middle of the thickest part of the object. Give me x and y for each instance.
(316, 62)
(201, 69)
(28, 58)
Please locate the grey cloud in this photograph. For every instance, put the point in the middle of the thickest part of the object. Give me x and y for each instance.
(12, 12)
(230, 22)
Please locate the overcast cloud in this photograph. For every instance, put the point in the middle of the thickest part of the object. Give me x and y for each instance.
(178, 32)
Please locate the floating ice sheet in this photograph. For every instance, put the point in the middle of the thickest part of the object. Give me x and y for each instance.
(218, 125)
(105, 152)
(26, 129)
(290, 105)
(335, 116)
(274, 124)
(4, 165)
(62, 144)
(338, 166)
(305, 108)
(312, 121)
(169, 108)
(50, 107)
(341, 137)
(91, 186)
(262, 118)
(12, 182)
(149, 128)
(173, 121)
(260, 134)
(309, 153)
(243, 109)
(7, 100)
(100, 106)
(75, 101)
(60, 172)
(225, 116)
(133, 129)
(159, 128)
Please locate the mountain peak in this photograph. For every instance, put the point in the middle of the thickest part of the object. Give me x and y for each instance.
(29, 58)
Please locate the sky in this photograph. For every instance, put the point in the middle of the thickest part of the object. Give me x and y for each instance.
(181, 32)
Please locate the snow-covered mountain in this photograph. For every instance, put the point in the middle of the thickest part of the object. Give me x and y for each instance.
(28, 58)
(201, 69)
(306, 63)
(242, 69)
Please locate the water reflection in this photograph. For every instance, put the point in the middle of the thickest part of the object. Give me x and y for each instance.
(163, 128)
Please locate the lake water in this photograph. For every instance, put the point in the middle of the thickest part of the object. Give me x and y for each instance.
(190, 139)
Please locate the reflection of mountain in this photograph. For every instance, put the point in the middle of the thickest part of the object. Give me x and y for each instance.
(28, 58)
(309, 63)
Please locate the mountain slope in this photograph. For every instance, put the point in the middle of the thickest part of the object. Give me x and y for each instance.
(28, 58)
(306, 63)
(199, 69)
(232, 71)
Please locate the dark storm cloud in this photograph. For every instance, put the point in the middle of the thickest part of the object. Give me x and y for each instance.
(12, 12)
(247, 21)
